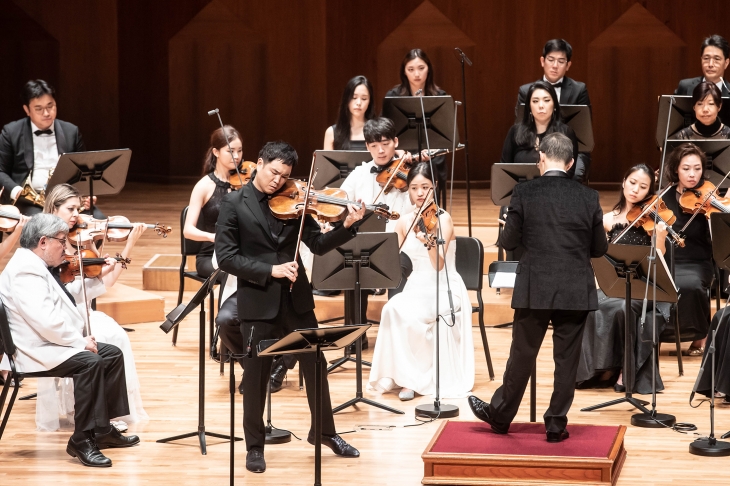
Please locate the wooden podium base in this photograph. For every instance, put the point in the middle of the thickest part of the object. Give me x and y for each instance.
(461, 458)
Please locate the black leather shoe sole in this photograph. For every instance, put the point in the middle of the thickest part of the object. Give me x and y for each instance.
(478, 408)
(74, 453)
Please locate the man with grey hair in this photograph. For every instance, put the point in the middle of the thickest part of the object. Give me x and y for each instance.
(48, 331)
(559, 223)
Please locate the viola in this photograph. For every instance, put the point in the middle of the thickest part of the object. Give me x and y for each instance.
(327, 204)
(245, 170)
(9, 217)
(71, 268)
(116, 228)
(648, 218)
(703, 199)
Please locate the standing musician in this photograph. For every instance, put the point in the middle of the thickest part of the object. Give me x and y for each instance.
(259, 249)
(560, 224)
(693, 267)
(706, 102)
(356, 108)
(30, 147)
(47, 330)
(416, 73)
(715, 59)
(555, 62)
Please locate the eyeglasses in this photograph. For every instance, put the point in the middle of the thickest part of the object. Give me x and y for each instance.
(62, 240)
(711, 60)
(41, 109)
(561, 61)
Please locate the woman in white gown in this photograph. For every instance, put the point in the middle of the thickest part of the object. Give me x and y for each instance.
(55, 395)
(405, 349)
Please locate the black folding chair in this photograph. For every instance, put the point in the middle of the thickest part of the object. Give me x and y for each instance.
(470, 266)
(7, 346)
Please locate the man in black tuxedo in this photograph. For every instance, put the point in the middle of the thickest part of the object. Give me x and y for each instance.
(31, 145)
(258, 248)
(559, 223)
(555, 62)
(715, 59)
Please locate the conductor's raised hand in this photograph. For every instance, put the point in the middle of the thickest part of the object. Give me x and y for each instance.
(354, 213)
(285, 270)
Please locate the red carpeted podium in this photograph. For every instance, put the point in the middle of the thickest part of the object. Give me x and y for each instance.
(469, 453)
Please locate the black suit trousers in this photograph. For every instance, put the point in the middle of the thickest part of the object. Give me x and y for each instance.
(257, 371)
(100, 386)
(528, 333)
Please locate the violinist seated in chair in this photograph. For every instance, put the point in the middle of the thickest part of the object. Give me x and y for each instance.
(48, 331)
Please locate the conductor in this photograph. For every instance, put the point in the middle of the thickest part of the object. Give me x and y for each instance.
(559, 223)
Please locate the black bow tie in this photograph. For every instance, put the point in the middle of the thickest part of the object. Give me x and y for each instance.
(377, 169)
(558, 85)
(47, 131)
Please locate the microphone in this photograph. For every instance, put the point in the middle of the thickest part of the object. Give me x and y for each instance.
(249, 344)
(212, 112)
(419, 92)
(462, 57)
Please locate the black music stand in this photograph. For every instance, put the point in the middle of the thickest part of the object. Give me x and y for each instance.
(681, 116)
(97, 173)
(718, 158)
(506, 176)
(315, 341)
(577, 117)
(405, 111)
(623, 272)
(333, 166)
(710, 446)
(173, 319)
(369, 261)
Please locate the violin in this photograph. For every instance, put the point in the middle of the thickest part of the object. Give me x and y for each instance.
(71, 267)
(9, 217)
(240, 178)
(395, 173)
(646, 219)
(426, 222)
(116, 228)
(327, 205)
(703, 199)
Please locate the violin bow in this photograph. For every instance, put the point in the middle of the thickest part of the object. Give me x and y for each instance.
(395, 172)
(87, 328)
(307, 193)
(642, 214)
(216, 111)
(707, 198)
(425, 203)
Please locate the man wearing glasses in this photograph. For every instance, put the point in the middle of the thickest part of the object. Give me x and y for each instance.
(31, 146)
(555, 62)
(715, 59)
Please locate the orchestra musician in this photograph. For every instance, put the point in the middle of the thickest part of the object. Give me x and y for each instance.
(404, 352)
(693, 266)
(258, 249)
(555, 62)
(602, 352)
(356, 108)
(706, 102)
(715, 58)
(47, 330)
(560, 224)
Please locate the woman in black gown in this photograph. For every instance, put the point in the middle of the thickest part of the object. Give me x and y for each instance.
(693, 266)
(602, 352)
(707, 102)
(356, 108)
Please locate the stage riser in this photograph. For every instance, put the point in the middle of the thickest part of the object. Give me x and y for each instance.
(162, 272)
(128, 305)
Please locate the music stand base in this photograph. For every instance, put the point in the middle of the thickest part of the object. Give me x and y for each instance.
(704, 447)
(336, 363)
(277, 436)
(656, 421)
(366, 401)
(201, 433)
(434, 412)
(640, 404)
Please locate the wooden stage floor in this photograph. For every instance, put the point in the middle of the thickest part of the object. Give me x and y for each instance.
(169, 387)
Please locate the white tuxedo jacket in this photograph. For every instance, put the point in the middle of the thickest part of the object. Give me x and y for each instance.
(47, 327)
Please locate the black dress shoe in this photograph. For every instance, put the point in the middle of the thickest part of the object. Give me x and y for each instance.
(337, 444)
(480, 409)
(114, 440)
(277, 377)
(88, 453)
(240, 388)
(255, 461)
(619, 388)
(557, 436)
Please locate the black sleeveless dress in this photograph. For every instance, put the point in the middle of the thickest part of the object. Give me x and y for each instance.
(206, 222)
(354, 144)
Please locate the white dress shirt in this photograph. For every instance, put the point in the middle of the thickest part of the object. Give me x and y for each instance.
(45, 157)
(361, 184)
(557, 90)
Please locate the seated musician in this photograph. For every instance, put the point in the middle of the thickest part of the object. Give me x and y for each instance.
(48, 331)
(602, 351)
(404, 354)
(555, 62)
(356, 108)
(23, 170)
(715, 58)
(706, 102)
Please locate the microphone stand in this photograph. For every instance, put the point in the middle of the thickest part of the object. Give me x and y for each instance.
(463, 59)
(437, 409)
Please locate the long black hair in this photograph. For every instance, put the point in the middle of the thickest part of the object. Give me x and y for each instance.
(621, 204)
(218, 140)
(526, 128)
(344, 117)
(421, 168)
(404, 88)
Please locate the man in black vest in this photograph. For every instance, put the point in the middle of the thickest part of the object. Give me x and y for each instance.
(31, 146)
(715, 59)
(255, 246)
(555, 62)
(559, 223)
